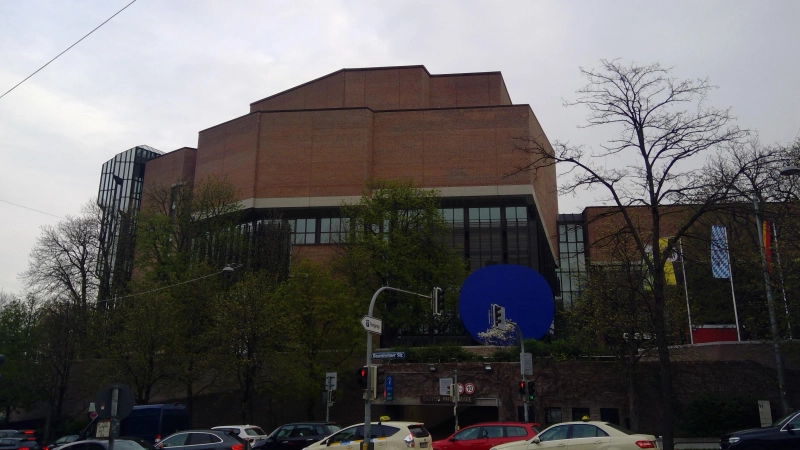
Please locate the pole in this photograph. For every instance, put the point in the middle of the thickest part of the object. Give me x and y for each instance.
(368, 393)
(455, 396)
(733, 292)
(773, 322)
(328, 406)
(686, 290)
(114, 404)
(522, 372)
(783, 285)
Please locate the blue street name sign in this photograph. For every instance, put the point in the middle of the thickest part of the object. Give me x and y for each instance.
(389, 355)
(389, 388)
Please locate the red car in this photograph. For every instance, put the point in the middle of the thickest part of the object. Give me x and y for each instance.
(483, 436)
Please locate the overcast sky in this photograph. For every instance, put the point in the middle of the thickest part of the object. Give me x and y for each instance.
(163, 70)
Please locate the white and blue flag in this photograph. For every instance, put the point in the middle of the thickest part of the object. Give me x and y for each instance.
(720, 260)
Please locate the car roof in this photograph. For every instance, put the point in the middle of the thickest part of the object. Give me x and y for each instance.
(533, 424)
(310, 423)
(234, 426)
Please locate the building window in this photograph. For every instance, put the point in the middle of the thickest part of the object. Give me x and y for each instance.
(517, 232)
(454, 218)
(610, 415)
(485, 237)
(572, 263)
(579, 413)
(552, 415)
(304, 231)
(332, 230)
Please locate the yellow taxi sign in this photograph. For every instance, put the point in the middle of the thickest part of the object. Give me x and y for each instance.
(384, 418)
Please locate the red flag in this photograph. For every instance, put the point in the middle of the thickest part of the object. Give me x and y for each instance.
(765, 234)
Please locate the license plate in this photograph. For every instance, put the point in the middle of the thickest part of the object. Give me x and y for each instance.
(423, 444)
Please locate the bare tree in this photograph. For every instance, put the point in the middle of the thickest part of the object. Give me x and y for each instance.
(665, 128)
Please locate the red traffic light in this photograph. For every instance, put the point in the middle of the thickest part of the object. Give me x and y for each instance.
(522, 389)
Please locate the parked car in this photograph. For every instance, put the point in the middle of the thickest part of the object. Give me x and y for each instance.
(249, 433)
(63, 440)
(15, 443)
(152, 422)
(483, 436)
(121, 443)
(584, 435)
(22, 434)
(295, 436)
(203, 440)
(384, 435)
(783, 434)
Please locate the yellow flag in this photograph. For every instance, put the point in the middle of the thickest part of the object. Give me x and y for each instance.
(669, 269)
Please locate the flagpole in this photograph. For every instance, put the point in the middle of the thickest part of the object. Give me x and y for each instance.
(783, 286)
(733, 292)
(686, 290)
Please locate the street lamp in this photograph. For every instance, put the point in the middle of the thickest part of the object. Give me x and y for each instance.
(773, 321)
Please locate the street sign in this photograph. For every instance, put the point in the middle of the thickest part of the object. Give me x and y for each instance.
(330, 381)
(469, 388)
(526, 360)
(103, 429)
(460, 388)
(389, 388)
(125, 401)
(389, 355)
(444, 384)
(764, 413)
(372, 324)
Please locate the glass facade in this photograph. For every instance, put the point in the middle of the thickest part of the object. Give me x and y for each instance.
(571, 272)
(119, 198)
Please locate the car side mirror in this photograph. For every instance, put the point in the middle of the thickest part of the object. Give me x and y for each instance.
(790, 427)
(327, 442)
(536, 440)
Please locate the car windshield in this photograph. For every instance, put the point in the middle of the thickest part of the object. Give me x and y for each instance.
(252, 431)
(782, 421)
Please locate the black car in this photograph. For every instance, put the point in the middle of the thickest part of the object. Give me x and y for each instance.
(14, 443)
(782, 435)
(296, 436)
(203, 440)
(121, 443)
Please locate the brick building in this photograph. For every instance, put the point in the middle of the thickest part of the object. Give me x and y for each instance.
(305, 151)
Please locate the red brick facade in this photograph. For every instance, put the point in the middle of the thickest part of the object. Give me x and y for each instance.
(319, 143)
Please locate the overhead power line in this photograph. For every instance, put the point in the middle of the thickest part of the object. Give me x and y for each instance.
(41, 212)
(65, 51)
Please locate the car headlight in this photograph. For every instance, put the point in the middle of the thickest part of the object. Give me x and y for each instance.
(734, 439)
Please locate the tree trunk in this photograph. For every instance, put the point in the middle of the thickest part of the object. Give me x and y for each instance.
(664, 364)
(633, 388)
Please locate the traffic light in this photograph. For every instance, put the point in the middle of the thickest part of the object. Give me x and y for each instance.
(362, 376)
(376, 380)
(531, 391)
(497, 316)
(452, 391)
(522, 390)
(437, 297)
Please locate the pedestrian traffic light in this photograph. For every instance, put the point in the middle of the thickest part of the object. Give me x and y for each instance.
(437, 297)
(522, 390)
(497, 316)
(362, 376)
(376, 380)
(531, 391)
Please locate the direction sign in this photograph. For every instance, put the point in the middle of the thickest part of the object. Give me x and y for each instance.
(526, 363)
(330, 381)
(389, 389)
(372, 324)
(389, 355)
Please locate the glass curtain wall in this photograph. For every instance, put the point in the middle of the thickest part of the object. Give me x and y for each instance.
(119, 198)
(572, 259)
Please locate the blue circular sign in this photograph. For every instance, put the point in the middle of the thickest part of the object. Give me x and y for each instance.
(524, 293)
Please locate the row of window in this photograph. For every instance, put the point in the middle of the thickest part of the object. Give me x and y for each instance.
(572, 263)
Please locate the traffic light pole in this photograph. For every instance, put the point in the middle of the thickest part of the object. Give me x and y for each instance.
(522, 372)
(368, 394)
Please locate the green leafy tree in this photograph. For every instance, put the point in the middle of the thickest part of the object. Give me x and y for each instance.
(397, 237)
(326, 332)
(252, 324)
(19, 388)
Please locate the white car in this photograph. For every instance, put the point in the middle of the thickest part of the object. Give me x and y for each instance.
(585, 436)
(385, 436)
(249, 433)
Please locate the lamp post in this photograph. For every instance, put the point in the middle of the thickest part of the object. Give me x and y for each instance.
(773, 321)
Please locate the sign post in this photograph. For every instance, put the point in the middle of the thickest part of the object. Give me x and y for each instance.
(330, 386)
